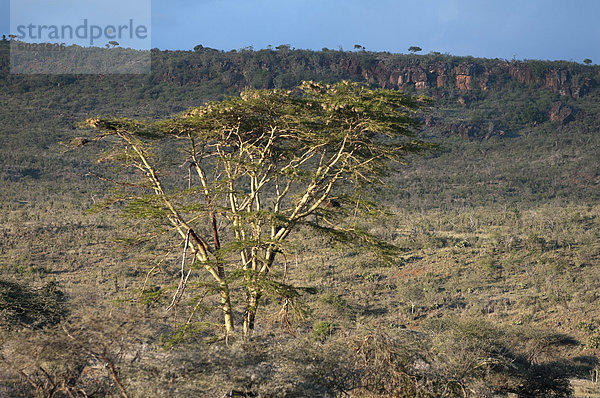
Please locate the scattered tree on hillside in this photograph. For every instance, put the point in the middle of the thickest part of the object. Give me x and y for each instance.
(266, 164)
(414, 49)
(587, 61)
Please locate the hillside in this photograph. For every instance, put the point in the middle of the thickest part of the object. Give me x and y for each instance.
(500, 233)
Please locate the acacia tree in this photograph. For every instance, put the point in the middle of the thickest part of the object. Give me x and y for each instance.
(265, 164)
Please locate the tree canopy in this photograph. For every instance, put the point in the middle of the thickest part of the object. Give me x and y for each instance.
(265, 164)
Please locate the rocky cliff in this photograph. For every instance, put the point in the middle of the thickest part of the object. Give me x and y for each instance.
(468, 76)
(429, 73)
(476, 97)
(433, 73)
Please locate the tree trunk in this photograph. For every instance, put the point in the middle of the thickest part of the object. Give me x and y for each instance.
(226, 307)
(253, 293)
(225, 295)
(250, 311)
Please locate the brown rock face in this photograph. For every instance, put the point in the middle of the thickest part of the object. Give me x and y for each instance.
(557, 80)
(346, 64)
(584, 88)
(484, 81)
(464, 69)
(463, 82)
(560, 113)
(442, 81)
(413, 74)
(464, 76)
(521, 74)
(381, 73)
(560, 81)
(439, 73)
(439, 76)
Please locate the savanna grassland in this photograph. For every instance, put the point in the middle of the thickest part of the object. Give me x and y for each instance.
(494, 291)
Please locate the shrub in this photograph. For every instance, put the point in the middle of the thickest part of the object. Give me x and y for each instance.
(21, 306)
(323, 329)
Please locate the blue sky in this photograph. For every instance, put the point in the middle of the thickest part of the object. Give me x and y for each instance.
(523, 29)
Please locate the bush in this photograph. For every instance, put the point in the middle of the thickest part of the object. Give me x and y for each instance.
(21, 306)
(323, 329)
(460, 359)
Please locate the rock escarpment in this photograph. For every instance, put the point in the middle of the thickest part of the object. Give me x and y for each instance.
(433, 74)
(468, 76)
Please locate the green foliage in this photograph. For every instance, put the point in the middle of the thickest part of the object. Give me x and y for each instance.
(530, 114)
(338, 302)
(144, 207)
(489, 264)
(276, 159)
(323, 330)
(151, 295)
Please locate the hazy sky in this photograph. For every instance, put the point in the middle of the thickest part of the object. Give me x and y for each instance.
(524, 29)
